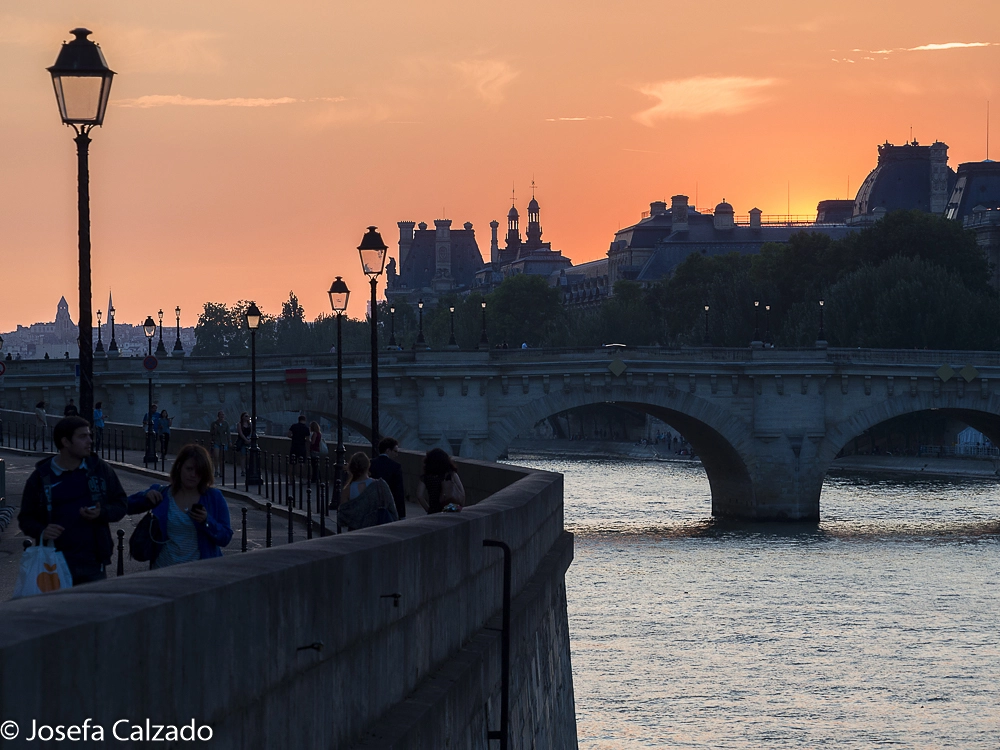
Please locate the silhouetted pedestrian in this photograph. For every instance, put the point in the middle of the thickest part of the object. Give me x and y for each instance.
(440, 487)
(386, 466)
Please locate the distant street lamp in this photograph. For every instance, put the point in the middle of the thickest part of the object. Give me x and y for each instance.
(767, 324)
(756, 322)
(99, 349)
(113, 346)
(82, 82)
(822, 333)
(420, 330)
(253, 457)
(149, 328)
(707, 340)
(392, 330)
(451, 339)
(339, 294)
(160, 348)
(373, 251)
(484, 343)
(178, 346)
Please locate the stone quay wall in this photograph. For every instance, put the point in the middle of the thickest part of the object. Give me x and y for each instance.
(380, 638)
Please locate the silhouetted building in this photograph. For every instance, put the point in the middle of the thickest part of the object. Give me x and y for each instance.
(433, 262)
(834, 211)
(908, 177)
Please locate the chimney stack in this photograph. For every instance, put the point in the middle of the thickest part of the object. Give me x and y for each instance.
(405, 241)
(657, 208)
(755, 218)
(679, 213)
(494, 242)
(939, 177)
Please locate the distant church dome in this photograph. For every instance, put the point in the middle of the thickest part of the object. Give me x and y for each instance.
(512, 214)
(533, 206)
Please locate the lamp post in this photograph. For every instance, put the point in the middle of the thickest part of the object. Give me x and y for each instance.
(82, 82)
(160, 348)
(420, 329)
(484, 343)
(392, 330)
(253, 457)
(339, 294)
(767, 324)
(822, 333)
(373, 251)
(708, 341)
(149, 328)
(756, 324)
(99, 349)
(178, 346)
(113, 346)
(452, 344)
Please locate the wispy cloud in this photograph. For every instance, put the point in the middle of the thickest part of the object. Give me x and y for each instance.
(927, 48)
(177, 100)
(488, 78)
(578, 119)
(691, 98)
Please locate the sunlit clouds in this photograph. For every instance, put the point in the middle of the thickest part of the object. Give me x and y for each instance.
(578, 119)
(488, 78)
(699, 96)
(176, 100)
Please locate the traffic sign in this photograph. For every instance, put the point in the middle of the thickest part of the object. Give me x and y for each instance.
(150, 363)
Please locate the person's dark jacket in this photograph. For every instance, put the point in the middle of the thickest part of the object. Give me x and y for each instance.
(385, 468)
(373, 507)
(213, 534)
(85, 544)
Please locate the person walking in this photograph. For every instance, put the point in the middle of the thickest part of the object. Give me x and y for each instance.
(298, 449)
(440, 487)
(98, 427)
(163, 423)
(192, 516)
(39, 425)
(151, 417)
(316, 446)
(242, 442)
(219, 437)
(71, 499)
(364, 501)
(70, 410)
(386, 466)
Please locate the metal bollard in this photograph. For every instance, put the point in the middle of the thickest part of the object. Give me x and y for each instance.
(121, 552)
(267, 537)
(244, 529)
(321, 507)
(290, 508)
(309, 513)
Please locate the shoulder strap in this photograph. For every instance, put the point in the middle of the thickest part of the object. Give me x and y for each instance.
(47, 489)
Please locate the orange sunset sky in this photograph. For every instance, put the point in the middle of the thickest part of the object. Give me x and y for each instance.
(248, 145)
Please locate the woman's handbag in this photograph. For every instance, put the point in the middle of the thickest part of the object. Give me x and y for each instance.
(43, 569)
(146, 540)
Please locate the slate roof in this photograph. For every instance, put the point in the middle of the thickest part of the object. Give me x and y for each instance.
(978, 184)
(419, 268)
(900, 182)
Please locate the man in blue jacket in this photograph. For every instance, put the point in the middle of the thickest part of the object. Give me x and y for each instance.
(386, 467)
(70, 499)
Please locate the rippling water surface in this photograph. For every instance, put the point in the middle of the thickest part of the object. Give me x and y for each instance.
(880, 627)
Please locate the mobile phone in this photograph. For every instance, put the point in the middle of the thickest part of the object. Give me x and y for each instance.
(197, 506)
(91, 507)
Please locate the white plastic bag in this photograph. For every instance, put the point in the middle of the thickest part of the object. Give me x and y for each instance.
(43, 569)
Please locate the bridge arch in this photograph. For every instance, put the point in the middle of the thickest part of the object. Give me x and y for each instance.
(721, 439)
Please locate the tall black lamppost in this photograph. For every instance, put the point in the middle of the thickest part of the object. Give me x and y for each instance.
(113, 346)
(99, 349)
(767, 324)
(451, 338)
(339, 294)
(708, 341)
(82, 82)
(822, 333)
(372, 251)
(756, 322)
(149, 328)
(420, 328)
(484, 343)
(253, 456)
(392, 329)
(178, 346)
(160, 348)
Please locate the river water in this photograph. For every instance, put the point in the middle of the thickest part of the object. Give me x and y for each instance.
(880, 627)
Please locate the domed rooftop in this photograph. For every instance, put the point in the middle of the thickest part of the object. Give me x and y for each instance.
(724, 208)
(512, 214)
(908, 177)
(533, 205)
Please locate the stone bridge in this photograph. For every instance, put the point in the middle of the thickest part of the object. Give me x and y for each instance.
(766, 423)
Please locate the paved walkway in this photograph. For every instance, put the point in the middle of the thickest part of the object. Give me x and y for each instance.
(20, 465)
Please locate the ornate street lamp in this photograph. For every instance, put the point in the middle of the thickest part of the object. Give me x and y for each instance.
(392, 330)
(113, 346)
(339, 294)
(160, 348)
(420, 329)
(82, 82)
(451, 339)
(756, 323)
(708, 341)
(149, 328)
(484, 343)
(99, 349)
(253, 457)
(822, 333)
(767, 324)
(178, 346)
(373, 251)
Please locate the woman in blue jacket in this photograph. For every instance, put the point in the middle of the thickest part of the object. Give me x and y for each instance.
(192, 516)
